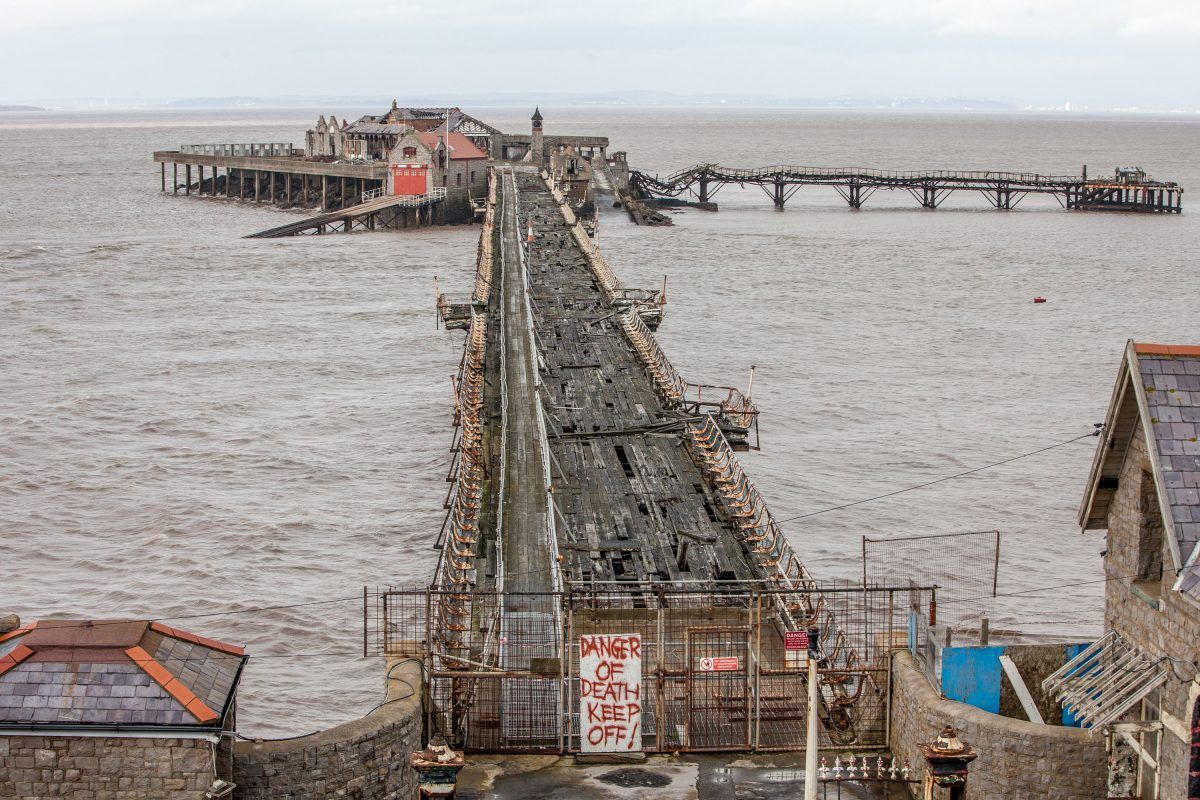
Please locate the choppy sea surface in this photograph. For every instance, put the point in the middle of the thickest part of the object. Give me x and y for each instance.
(192, 423)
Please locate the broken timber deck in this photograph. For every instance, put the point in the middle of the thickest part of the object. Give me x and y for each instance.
(631, 505)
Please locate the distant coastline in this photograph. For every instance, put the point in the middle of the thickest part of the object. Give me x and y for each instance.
(4, 108)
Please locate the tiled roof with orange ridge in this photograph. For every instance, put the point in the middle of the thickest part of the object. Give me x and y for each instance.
(212, 644)
(172, 685)
(125, 673)
(14, 657)
(21, 631)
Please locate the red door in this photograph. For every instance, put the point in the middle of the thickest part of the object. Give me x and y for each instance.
(408, 179)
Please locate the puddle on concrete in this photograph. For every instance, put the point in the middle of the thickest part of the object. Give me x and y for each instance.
(631, 777)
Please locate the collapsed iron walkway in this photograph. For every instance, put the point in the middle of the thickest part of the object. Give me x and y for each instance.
(1128, 189)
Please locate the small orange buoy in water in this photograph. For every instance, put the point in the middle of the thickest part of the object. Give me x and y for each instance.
(1039, 299)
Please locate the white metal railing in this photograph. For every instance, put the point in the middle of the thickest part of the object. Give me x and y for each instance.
(371, 194)
(1106, 679)
(435, 195)
(268, 149)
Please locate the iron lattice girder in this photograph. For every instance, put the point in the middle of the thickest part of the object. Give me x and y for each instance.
(675, 184)
(929, 188)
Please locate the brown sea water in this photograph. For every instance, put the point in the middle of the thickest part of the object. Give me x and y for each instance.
(192, 423)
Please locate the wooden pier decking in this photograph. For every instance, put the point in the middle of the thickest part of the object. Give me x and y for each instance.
(630, 504)
(585, 464)
(281, 180)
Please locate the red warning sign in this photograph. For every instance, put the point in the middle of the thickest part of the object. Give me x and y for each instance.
(795, 640)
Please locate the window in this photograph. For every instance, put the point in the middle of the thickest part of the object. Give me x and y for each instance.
(410, 152)
(458, 179)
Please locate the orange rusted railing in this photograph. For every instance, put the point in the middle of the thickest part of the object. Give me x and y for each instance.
(763, 539)
(456, 569)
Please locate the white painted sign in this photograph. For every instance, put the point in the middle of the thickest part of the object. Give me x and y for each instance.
(610, 693)
(719, 664)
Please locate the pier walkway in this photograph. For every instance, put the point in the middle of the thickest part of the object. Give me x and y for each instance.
(526, 531)
(596, 491)
(624, 487)
(1128, 189)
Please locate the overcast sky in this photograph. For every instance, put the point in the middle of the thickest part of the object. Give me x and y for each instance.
(1098, 53)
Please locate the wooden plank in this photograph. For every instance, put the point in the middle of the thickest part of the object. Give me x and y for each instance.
(1018, 684)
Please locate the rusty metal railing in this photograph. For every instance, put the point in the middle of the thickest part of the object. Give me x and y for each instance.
(765, 542)
(485, 258)
(455, 570)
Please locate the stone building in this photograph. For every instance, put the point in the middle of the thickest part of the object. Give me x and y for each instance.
(1144, 488)
(114, 709)
(456, 162)
(537, 148)
(327, 140)
(572, 172)
(373, 137)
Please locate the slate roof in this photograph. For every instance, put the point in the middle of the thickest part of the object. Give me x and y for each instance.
(1158, 386)
(377, 128)
(460, 146)
(429, 118)
(106, 673)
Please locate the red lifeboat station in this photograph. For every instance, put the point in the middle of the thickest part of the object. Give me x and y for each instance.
(409, 179)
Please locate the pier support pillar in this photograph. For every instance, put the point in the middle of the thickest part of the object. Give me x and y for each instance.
(174, 177)
(200, 185)
(287, 189)
(228, 183)
(777, 195)
(164, 176)
(257, 186)
(703, 190)
(187, 176)
(324, 192)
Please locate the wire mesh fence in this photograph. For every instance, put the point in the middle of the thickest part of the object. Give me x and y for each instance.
(718, 670)
(964, 567)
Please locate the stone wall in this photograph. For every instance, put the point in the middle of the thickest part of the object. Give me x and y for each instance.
(457, 206)
(1149, 613)
(104, 768)
(1018, 760)
(1035, 662)
(366, 759)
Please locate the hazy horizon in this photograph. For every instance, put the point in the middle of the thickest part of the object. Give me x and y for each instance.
(1103, 55)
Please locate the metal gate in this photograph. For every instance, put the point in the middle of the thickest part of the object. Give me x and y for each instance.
(718, 692)
(717, 670)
